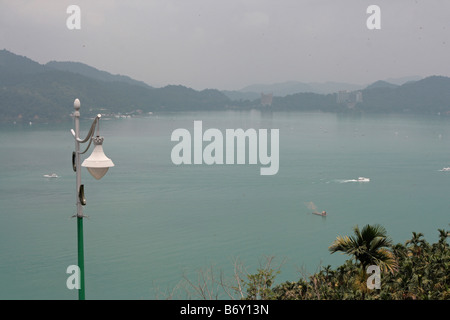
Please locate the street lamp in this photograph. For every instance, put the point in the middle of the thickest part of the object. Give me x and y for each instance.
(97, 164)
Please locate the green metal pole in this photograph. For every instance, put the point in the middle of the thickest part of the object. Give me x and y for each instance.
(81, 291)
(80, 190)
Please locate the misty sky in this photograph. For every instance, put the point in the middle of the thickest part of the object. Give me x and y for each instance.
(229, 44)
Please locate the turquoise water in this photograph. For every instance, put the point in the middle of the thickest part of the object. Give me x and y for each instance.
(151, 222)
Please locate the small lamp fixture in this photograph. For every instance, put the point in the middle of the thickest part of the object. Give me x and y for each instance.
(97, 163)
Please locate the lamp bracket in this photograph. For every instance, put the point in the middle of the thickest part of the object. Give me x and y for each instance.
(90, 133)
(81, 195)
(74, 165)
(82, 216)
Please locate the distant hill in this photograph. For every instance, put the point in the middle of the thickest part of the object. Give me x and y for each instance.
(402, 80)
(283, 89)
(279, 89)
(292, 87)
(11, 64)
(239, 96)
(381, 84)
(91, 72)
(30, 91)
(429, 95)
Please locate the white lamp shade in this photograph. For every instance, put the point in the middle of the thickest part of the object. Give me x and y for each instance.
(98, 173)
(98, 163)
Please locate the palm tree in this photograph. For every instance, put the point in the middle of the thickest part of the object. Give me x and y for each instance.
(415, 240)
(443, 235)
(369, 246)
(417, 243)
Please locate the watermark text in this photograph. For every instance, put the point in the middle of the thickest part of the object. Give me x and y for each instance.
(374, 280)
(231, 148)
(374, 20)
(73, 22)
(73, 281)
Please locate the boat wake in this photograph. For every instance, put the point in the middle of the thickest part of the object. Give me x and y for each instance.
(313, 207)
(52, 175)
(360, 179)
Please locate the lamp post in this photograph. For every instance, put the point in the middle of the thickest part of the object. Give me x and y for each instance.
(97, 164)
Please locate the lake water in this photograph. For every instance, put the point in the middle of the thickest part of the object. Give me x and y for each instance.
(152, 222)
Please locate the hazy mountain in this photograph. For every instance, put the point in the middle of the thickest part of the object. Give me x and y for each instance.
(91, 72)
(238, 95)
(279, 89)
(290, 87)
(381, 84)
(402, 80)
(428, 95)
(15, 64)
(30, 91)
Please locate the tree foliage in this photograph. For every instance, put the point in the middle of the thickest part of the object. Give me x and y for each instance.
(421, 272)
(369, 246)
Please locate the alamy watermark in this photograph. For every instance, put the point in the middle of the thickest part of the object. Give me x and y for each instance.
(73, 281)
(374, 20)
(374, 280)
(230, 148)
(73, 22)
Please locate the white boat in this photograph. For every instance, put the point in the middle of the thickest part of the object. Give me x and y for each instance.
(53, 175)
(445, 169)
(362, 179)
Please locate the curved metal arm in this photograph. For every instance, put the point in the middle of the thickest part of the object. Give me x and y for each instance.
(91, 130)
(87, 148)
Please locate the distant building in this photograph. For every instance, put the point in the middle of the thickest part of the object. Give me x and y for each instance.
(350, 98)
(266, 99)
